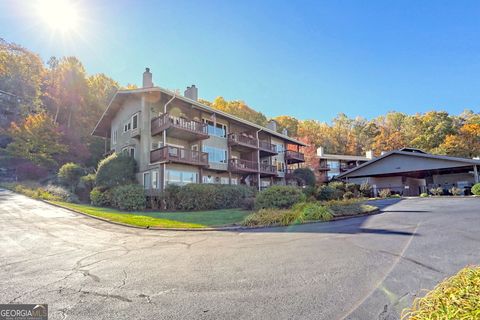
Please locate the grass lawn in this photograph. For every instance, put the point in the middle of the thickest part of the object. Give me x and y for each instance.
(197, 219)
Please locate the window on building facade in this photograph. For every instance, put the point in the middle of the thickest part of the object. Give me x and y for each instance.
(146, 180)
(280, 147)
(218, 129)
(135, 121)
(181, 177)
(155, 179)
(208, 179)
(215, 154)
(224, 180)
(234, 181)
(114, 136)
(132, 152)
(280, 166)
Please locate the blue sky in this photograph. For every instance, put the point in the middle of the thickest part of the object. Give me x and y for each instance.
(308, 59)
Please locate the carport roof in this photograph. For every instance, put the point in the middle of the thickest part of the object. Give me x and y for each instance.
(411, 153)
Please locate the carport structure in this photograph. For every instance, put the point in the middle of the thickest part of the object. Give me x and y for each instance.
(410, 171)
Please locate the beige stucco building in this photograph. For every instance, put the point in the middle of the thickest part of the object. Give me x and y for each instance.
(177, 140)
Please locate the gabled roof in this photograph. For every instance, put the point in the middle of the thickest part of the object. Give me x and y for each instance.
(103, 126)
(343, 157)
(408, 152)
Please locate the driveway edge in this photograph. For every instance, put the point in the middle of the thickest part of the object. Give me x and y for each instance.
(232, 228)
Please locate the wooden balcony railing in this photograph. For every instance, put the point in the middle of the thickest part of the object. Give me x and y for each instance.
(324, 167)
(347, 167)
(294, 156)
(240, 165)
(180, 155)
(267, 146)
(242, 139)
(268, 168)
(165, 121)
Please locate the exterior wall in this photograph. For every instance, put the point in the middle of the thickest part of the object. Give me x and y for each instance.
(151, 105)
(280, 157)
(456, 179)
(124, 139)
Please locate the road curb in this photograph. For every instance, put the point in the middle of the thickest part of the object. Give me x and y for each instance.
(233, 228)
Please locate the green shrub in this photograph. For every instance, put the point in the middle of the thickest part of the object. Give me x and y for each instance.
(129, 197)
(348, 195)
(454, 298)
(338, 189)
(62, 193)
(268, 217)
(325, 193)
(352, 187)
(314, 211)
(279, 197)
(348, 207)
(69, 175)
(366, 189)
(424, 195)
(456, 191)
(32, 190)
(476, 189)
(384, 193)
(436, 191)
(206, 196)
(309, 191)
(305, 176)
(100, 197)
(88, 181)
(115, 170)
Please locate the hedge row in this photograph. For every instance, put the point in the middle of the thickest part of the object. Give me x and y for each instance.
(193, 197)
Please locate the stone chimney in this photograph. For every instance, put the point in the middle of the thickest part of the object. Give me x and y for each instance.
(369, 154)
(285, 132)
(191, 93)
(320, 151)
(272, 125)
(147, 78)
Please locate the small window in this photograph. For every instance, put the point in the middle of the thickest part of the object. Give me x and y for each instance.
(135, 121)
(132, 152)
(114, 136)
(146, 180)
(154, 179)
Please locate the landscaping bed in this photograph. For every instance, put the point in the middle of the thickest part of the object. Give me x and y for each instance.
(457, 297)
(188, 220)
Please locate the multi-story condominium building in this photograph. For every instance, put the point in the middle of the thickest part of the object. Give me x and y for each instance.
(177, 140)
(332, 165)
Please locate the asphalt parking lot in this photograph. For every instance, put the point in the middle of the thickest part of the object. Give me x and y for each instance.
(362, 268)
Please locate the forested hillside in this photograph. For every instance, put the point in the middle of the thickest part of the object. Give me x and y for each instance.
(48, 110)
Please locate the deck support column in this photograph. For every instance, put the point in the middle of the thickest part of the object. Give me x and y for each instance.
(475, 174)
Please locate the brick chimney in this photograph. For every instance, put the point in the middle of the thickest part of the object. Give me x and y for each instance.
(147, 78)
(191, 93)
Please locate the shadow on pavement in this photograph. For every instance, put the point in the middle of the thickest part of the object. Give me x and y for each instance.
(347, 226)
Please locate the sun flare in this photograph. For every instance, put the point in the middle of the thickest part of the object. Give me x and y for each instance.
(59, 15)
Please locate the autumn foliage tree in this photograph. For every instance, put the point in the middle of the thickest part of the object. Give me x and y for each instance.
(37, 139)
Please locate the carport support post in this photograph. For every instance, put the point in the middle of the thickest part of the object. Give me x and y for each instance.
(475, 174)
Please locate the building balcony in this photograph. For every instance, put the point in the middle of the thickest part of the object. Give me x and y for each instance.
(324, 167)
(179, 155)
(180, 128)
(242, 166)
(294, 157)
(344, 168)
(135, 133)
(242, 141)
(268, 170)
(267, 149)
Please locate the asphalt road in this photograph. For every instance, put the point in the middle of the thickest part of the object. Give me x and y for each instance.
(362, 268)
